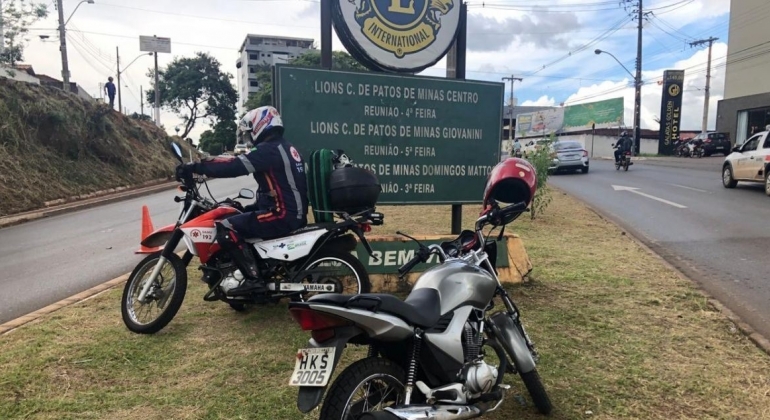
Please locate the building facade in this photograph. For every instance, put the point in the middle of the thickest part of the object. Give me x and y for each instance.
(262, 51)
(746, 107)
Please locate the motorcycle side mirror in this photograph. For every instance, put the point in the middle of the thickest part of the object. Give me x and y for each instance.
(177, 151)
(246, 193)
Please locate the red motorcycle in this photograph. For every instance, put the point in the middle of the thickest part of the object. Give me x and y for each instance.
(304, 262)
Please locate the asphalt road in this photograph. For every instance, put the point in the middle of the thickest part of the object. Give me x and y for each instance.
(50, 259)
(718, 237)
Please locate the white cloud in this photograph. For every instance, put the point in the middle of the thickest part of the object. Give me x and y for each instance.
(541, 101)
(220, 28)
(692, 99)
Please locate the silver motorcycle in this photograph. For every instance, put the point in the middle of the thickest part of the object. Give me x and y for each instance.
(439, 354)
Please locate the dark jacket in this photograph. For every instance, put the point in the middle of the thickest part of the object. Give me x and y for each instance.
(625, 143)
(280, 172)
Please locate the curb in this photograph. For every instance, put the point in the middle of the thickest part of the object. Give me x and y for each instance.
(80, 297)
(20, 218)
(72, 300)
(758, 339)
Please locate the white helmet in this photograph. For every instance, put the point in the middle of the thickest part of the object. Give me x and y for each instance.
(258, 122)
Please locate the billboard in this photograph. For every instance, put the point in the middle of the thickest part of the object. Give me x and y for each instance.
(428, 140)
(601, 114)
(670, 111)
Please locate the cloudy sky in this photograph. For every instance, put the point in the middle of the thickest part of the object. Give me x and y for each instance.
(549, 43)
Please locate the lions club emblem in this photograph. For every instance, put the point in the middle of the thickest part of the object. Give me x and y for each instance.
(397, 35)
(401, 26)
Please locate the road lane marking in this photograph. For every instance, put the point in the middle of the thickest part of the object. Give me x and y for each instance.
(689, 188)
(636, 191)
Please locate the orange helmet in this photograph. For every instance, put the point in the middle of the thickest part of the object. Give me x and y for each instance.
(512, 181)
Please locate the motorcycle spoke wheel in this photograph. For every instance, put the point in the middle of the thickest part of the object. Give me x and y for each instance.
(367, 385)
(163, 298)
(340, 272)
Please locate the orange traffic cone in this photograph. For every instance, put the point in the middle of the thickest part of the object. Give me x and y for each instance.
(147, 229)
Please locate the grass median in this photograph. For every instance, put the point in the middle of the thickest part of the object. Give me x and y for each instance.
(620, 335)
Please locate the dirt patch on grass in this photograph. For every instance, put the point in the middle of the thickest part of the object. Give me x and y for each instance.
(620, 335)
(56, 145)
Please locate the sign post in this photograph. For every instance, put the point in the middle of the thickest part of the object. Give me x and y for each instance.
(406, 37)
(155, 45)
(428, 140)
(670, 111)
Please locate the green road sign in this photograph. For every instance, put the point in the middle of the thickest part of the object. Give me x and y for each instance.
(429, 140)
(393, 254)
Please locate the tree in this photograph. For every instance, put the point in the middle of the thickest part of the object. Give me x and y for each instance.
(16, 17)
(221, 138)
(340, 61)
(265, 94)
(196, 88)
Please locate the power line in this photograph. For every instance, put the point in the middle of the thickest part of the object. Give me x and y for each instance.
(614, 28)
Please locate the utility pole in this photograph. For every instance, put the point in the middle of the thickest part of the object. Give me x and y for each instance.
(157, 92)
(65, 71)
(704, 124)
(638, 83)
(2, 35)
(141, 99)
(120, 98)
(510, 120)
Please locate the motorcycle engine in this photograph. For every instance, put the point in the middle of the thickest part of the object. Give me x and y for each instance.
(232, 281)
(480, 377)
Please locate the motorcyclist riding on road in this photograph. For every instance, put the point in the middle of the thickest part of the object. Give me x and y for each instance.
(282, 203)
(624, 144)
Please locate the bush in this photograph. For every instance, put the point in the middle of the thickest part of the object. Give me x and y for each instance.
(541, 159)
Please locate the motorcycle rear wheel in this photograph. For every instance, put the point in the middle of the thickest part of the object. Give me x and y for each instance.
(170, 296)
(349, 285)
(383, 375)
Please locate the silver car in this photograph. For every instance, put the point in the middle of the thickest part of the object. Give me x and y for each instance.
(568, 156)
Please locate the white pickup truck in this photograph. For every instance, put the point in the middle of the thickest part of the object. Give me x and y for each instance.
(749, 162)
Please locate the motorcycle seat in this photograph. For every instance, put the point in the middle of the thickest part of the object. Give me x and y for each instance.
(307, 228)
(421, 308)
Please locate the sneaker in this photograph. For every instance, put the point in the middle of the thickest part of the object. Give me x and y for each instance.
(248, 287)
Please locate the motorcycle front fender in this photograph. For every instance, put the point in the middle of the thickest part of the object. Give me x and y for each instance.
(309, 397)
(159, 237)
(513, 342)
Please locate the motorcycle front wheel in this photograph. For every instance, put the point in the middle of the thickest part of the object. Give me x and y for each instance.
(163, 299)
(370, 384)
(537, 391)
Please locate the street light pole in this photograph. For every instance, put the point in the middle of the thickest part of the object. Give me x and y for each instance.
(2, 35)
(120, 98)
(65, 70)
(117, 53)
(637, 98)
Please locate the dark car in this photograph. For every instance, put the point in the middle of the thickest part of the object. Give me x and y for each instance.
(714, 143)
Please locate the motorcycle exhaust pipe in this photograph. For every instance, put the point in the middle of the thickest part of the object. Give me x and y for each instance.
(425, 412)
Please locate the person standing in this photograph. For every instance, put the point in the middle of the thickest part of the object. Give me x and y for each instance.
(109, 88)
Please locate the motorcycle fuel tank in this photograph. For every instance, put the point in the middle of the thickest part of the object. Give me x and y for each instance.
(458, 284)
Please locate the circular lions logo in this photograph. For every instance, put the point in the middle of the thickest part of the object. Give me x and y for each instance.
(673, 90)
(295, 154)
(397, 35)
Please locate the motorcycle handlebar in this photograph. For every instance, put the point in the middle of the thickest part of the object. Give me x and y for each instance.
(410, 264)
